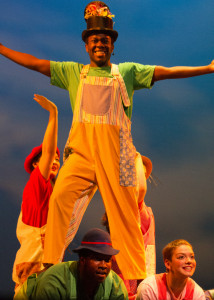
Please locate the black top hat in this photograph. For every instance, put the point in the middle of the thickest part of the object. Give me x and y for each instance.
(97, 240)
(99, 20)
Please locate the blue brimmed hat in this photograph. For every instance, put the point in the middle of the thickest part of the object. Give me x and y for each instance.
(97, 240)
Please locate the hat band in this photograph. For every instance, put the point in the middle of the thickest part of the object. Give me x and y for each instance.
(99, 22)
(97, 243)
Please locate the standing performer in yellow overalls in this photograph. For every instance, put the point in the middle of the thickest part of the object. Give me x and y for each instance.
(99, 152)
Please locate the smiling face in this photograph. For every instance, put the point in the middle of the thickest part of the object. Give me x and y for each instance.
(55, 166)
(99, 48)
(182, 263)
(95, 267)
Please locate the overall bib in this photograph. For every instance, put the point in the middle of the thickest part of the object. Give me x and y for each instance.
(99, 154)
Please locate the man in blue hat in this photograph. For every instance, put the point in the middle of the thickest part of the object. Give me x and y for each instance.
(90, 277)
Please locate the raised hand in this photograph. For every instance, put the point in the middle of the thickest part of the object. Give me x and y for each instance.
(45, 103)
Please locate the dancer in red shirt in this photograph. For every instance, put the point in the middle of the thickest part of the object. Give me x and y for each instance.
(43, 165)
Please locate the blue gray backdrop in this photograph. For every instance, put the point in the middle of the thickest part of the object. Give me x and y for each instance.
(173, 123)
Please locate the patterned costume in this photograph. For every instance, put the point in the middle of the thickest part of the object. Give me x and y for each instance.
(147, 228)
(99, 153)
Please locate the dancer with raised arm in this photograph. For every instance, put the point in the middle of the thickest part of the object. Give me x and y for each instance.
(43, 165)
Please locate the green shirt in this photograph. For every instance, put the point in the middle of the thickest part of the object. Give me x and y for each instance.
(60, 282)
(66, 75)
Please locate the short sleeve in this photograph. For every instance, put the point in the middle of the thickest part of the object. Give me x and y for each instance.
(199, 293)
(61, 73)
(35, 201)
(118, 289)
(53, 284)
(136, 76)
(145, 292)
(65, 74)
(143, 75)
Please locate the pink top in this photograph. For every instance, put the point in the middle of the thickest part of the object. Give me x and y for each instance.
(152, 288)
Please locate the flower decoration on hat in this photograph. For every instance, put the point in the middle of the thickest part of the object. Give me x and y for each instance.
(97, 8)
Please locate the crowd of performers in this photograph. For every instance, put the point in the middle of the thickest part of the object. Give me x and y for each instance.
(99, 154)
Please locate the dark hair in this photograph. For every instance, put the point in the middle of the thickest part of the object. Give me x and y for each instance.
(85, 253)
(168, 250)
(34, 160)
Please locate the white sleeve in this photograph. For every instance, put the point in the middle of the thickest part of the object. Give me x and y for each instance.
(145, 292)
(198, 293)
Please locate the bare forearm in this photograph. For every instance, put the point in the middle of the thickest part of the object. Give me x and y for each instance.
(50, 138)
(26, 60)
(49, 144)
(162, 73)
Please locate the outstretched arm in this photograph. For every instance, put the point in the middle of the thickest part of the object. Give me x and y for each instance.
(26, 60)
(162, 73)
(49, 145)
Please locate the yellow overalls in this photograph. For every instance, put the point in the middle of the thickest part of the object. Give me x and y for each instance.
(100, 154)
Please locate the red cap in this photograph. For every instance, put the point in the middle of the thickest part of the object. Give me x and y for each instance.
(35, 151)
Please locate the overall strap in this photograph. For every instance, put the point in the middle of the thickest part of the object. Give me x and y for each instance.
(84, 71)
(161, 284)
(115, 72)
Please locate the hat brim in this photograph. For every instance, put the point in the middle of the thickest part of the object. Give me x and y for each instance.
(98, 249)
(28, 161)
(112, 33)
(35, 151)
(148, 164)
